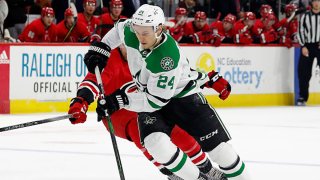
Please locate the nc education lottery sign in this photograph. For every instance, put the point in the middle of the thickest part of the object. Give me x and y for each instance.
(250, 70)
(48, 73)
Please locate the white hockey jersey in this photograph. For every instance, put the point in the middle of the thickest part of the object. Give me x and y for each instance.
(160, 74)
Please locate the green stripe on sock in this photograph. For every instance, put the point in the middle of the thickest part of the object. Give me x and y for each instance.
(181, 163)
(236, 173)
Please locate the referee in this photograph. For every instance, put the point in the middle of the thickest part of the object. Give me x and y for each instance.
(309, 39)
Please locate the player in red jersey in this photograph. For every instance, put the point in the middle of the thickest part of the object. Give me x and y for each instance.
(246, 30)
(288, 27)
(220, 32)
(108, 19)
(180, 21)
(198, 24)
(268, 34)
(70, 31)
(42, 29)
(125, 122)
(87, 18)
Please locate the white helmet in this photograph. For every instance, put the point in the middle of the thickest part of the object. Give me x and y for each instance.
(148, 15)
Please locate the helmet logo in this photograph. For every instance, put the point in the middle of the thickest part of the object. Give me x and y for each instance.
(167, 63)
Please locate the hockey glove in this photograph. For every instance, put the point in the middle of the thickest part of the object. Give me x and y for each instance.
(114, 101)
(97, 55)
(218, 83)
(78, 107)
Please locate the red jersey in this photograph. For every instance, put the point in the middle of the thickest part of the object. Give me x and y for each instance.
(37, 32)
(78, 32)
(91, 24)
(190, 29)
(114, 75)
(108, 23)
(288, 29)
(217, 27)
(245, 35)
(178, 31)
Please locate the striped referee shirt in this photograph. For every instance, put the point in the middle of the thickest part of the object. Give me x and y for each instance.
(309, 28)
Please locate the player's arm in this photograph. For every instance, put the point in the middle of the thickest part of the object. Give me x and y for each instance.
(99, 52)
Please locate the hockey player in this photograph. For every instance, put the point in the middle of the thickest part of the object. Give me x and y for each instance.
(42, 29)
(180, 20)
(246, 30)
(198, 24)
(87, 18)
(70, 31)
(287, 28)
(220, 32)
(125, 122)
(167, 95)
(108, 19)
(268, 34)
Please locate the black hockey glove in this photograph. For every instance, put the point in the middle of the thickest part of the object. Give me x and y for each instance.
(114, 101)
(97, 55)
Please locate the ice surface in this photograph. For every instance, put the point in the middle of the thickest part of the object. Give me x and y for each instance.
(278, 143)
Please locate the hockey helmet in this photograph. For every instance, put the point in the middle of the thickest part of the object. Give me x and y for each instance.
(200, 15)
(181, 11)
(89, 1)
(230, 18)
(47, 11)
(116, 3)
(265, 9)
(249, 16)
(148, 15)
(68, 12)
(289, 8)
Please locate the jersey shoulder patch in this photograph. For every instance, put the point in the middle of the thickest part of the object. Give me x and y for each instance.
(165, 57)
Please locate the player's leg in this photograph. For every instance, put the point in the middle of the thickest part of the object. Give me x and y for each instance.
(193, 114)
(192, 148)
(154, 132)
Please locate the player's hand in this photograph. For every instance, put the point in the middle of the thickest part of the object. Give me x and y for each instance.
(305, 51)
(114, 101)
(97, 55)
(218, 83)
(78, 108)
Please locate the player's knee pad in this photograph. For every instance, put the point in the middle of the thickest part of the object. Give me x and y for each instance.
(160, 146)
(224, 155)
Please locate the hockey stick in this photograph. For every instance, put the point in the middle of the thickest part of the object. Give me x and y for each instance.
(113, 138)
(33, 123)
(75, 17)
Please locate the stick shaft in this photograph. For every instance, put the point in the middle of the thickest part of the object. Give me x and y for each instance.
(113, 138)
(33, 123)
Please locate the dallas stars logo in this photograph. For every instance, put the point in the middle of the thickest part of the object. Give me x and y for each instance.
(167, 63)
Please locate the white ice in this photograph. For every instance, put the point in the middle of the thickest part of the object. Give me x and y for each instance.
(278, 143)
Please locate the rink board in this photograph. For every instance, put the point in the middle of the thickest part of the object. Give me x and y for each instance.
(44, 77)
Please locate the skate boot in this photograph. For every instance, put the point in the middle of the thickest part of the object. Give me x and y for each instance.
(301, 102)
(174, 177)
(216, 174)
(203, 177)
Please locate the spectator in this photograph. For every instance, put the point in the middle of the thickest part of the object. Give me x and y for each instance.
(17, 17)
(3, 16)
(130, 6)
(108, 19)
(309, 39)
(178, 29)
(87, 17)
(42, 29)
(36, 7)
(59, 8)
(192, 6)
(288, 27)
(268, 34)
(70, 31)
(246, 31)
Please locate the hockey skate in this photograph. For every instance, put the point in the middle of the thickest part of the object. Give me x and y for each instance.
(301, 102)
(215, 174)
(174, 177)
